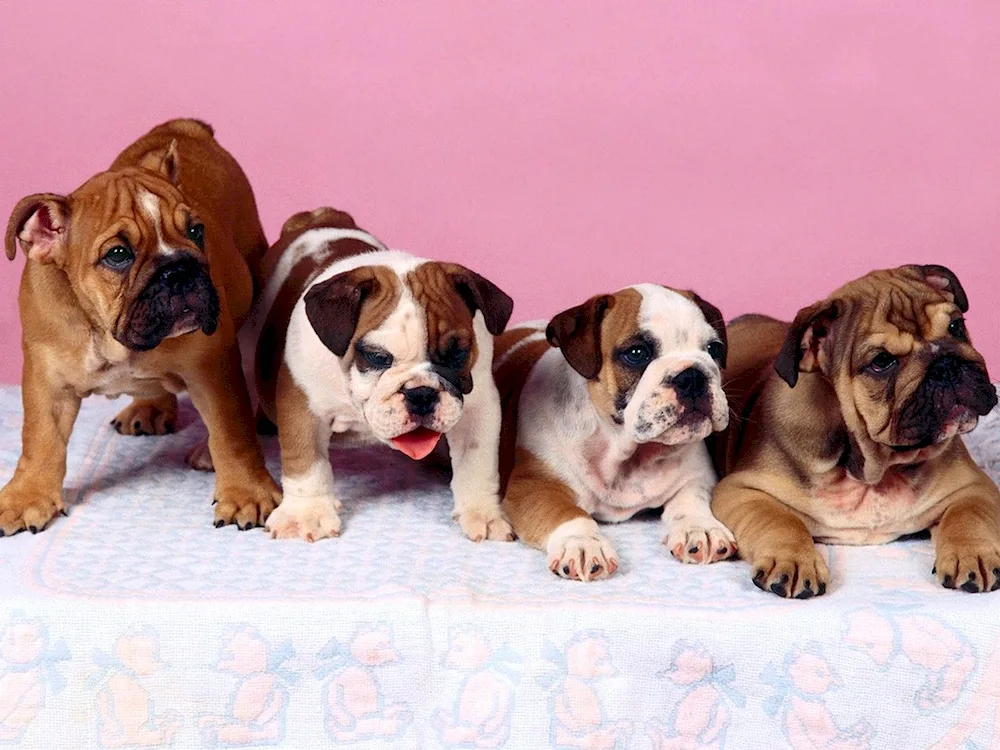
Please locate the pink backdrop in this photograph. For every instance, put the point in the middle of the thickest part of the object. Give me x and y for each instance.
(761, 153)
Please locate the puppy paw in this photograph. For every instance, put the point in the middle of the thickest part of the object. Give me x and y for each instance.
(485, 523)
(973, 567)
(700, 540)
(794, 573)
(246, 505)
(21, 509)
(199, 457)
(147, 416)
(578, 551)
(312, 519)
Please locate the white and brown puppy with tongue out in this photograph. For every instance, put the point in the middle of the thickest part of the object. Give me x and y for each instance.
(606, 411)
(375, 344)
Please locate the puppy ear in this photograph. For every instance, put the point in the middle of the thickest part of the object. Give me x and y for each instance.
(320, 217)
(714, 319)
(801, 350)
(943, 279)
(480, 293)
(577, 332)
(170, 164)
(333, 307)
(40, 222)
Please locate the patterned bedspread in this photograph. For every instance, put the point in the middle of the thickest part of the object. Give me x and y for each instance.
(135, 623)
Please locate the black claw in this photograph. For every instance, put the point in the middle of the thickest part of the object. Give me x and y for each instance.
(970, 587)
(723, 550)
(934, 571)
(693, 550)
(779, 589)
(220, 523)
(215, 501)
(64, 512)
(822, 589)
(758, 579)
(948, 582)
(169, 427)
(3, 533)
(248, 526)
(566, 568)
(805, 594)
(33, 529)
(594, 568)
(996, 585)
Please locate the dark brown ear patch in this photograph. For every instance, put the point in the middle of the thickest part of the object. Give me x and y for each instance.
(345, 307)
(808, 332)
(714, 318)
(577, 333)
(943, 279)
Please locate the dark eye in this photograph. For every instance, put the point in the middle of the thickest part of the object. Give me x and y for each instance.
(454, 356)
(118, 258)
(636, 355)
(716, 350)
(957, 329)
(377, 359)
(883, 362)
(196, 233)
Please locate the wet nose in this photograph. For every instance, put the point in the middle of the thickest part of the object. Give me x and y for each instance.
(944, 371)
(421, 400)
(177, 275)
(690, 383)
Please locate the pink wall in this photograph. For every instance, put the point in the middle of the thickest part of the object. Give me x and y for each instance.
(759, 152)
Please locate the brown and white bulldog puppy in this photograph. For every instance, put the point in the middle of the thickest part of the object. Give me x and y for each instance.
(136, 282)
(847, 432)
(606, 410)
(375, 346)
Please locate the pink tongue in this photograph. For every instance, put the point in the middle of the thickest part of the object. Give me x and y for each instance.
(417, 444)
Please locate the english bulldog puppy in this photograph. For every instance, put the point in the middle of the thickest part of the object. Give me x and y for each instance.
(847, 432)
(136, 283)
(606, 410)
(379, 346)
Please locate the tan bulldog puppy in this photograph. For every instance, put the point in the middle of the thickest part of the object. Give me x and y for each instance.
(136, 282)
(375, 346)
(847, 432)
(606, 410)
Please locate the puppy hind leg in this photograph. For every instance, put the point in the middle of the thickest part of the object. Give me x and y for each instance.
(148, 416)
(773, 539)
(544, 514)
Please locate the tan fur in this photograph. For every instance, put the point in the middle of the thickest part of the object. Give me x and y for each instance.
(298, 428)
(70, 312)
(792, 452)
(620, 323)
(536, 502)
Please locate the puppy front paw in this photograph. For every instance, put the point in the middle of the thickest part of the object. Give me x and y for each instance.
(791, 573)
(484, 522)
(22, 509)
(973, 567)
(311, 518)
(246, 504)
(700, 540)
(578, 551)
(155, 416)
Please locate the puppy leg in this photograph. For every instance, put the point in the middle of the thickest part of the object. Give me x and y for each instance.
(967, 541)
(148, 416)
(781, 552)
(34, 494)
(474, 446)
(309, 506)
(245, 493)
(691, 532)
(545, 515)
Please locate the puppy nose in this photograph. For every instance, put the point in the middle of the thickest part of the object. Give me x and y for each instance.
(421, 400)
(690, 383)
(944, 371)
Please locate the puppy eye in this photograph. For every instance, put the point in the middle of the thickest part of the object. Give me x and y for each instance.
(636, 355)
(376, 358)
(118, 258)
(883, 362)
(454, 356)
(716, 350)
(196, 233)
(957, 329)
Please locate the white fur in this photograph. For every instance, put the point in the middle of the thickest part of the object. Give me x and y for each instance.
(559, 423)
(370, 406)
(150, 205)
(579, 543)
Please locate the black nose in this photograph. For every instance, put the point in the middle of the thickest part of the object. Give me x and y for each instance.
(944, 371)
(178, 275)
(690, 383)
(422, 400)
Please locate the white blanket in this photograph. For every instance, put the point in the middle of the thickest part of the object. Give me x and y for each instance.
(135, 623)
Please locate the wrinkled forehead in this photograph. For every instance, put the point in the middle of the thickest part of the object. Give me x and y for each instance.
(403, 330)
(673, 319)
(901, 317)
(129, 199)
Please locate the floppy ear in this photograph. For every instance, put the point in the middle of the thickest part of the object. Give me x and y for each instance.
(943, 279)
(170, 164)
(40, 222)
(714, 318)
(801, 350)
(479, 293)
(577, 332)
(333, 307)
